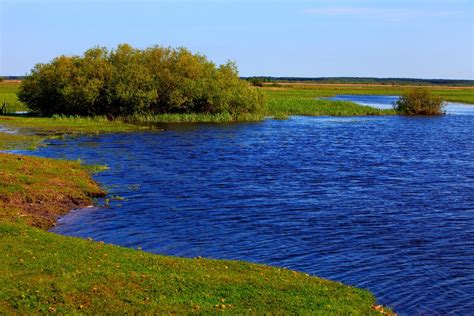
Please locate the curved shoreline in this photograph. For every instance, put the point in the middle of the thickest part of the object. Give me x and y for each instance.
(90, 269)
(43, 189)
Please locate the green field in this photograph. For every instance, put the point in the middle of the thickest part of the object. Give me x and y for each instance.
(8, 92)
(452, 94)
(282, 106)
(282, 100)
(300, 99)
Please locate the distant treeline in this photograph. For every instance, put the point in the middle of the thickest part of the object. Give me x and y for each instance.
(343, 80)
(13, 77)
(259, 80)
(127, 81)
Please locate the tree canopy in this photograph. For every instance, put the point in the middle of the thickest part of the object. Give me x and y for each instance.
(419, 101)
(127, 81)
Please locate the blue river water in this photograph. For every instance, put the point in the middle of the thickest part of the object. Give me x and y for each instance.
(383, 203)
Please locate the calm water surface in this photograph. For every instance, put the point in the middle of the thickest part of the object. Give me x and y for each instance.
(384, 203)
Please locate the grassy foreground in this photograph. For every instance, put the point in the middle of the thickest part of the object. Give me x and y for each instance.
(41, 272)
(44, 272)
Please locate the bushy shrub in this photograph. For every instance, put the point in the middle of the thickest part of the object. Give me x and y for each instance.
(128, 81)
(419, 101)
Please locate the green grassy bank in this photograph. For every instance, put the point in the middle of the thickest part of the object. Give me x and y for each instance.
(44, 272)
(67, 125)
(284, 106)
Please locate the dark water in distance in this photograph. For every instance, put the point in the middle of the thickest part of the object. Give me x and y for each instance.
(384, 203)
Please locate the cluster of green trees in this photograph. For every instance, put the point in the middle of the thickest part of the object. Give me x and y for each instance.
(420, 101)
(127, 81)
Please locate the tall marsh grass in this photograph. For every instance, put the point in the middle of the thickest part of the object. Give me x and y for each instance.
(191, 118)
(290, 105)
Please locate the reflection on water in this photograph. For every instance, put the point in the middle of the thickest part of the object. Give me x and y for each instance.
(376, 101)
(384, 203)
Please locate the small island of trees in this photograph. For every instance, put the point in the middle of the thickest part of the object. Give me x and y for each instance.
(419, 101)
(128, 81)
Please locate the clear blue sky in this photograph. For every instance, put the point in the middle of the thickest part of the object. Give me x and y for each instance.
(402, 38)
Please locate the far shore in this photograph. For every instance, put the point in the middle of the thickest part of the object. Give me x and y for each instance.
(315, 84)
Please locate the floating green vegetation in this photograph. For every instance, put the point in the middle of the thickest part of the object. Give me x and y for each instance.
(94, 168)
(18, 141)
(30, 132)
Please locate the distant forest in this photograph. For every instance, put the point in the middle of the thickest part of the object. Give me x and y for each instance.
(364, 80)
(344, 80)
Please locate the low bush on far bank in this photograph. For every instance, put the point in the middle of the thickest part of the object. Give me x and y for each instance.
(128, 81)
(419, 101)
